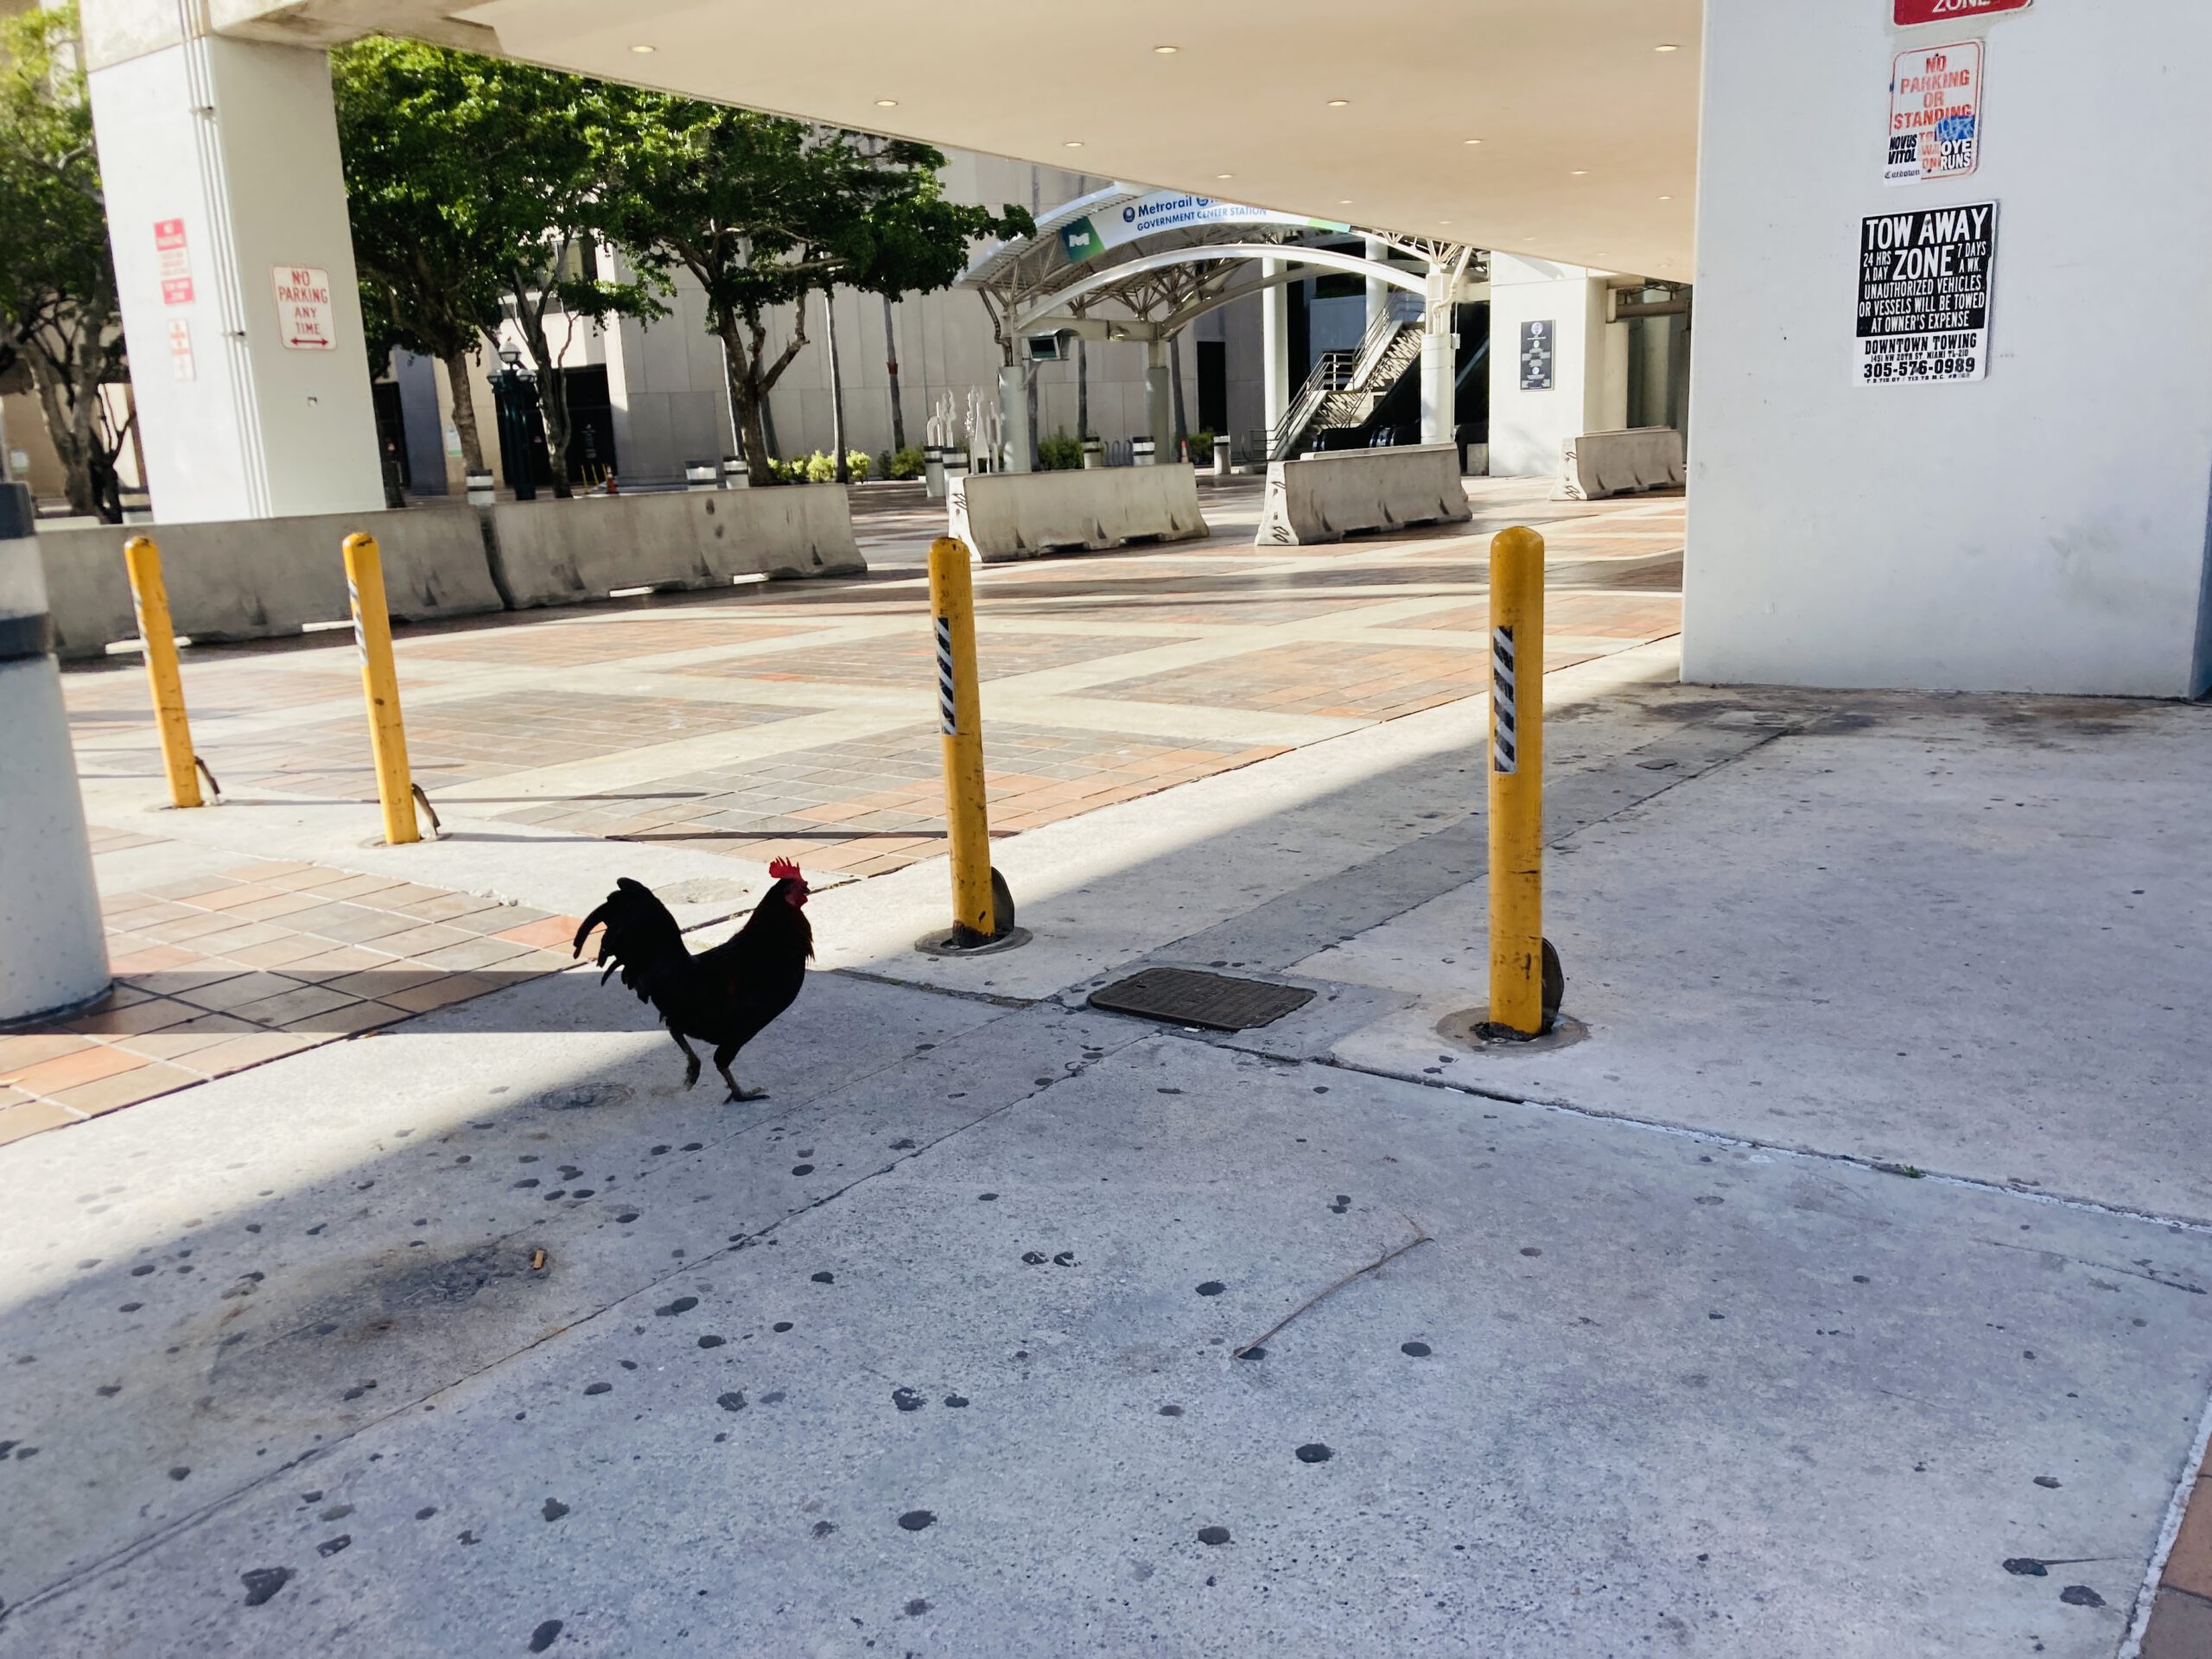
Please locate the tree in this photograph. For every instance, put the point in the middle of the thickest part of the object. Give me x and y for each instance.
(477, 187)
(429, 268)
(59, 312)
(762, 211)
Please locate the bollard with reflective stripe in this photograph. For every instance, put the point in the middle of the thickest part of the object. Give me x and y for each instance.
(1517, 782)
(380, 685)
(150, 596)
(967, 814)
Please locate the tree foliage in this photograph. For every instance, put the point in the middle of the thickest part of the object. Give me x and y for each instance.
(479, 186)
(58, 313)
(762, 211)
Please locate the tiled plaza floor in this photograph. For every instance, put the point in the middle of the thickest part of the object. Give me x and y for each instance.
(218, 972)
(785, 718)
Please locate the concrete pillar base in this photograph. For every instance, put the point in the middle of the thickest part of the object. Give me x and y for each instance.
(53, 949)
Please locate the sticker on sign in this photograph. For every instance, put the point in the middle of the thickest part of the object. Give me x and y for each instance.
(1909, 12)
(303, 309)
(1923, 295)
(1935, 114)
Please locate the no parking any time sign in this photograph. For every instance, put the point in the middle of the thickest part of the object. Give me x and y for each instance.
(303, 309)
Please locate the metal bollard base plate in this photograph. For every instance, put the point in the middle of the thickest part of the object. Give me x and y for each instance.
(1471, 1028)
(946, 943)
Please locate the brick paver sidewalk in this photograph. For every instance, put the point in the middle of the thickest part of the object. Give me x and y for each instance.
(791, 718)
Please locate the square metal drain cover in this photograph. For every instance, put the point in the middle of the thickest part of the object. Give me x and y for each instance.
(1184, 996)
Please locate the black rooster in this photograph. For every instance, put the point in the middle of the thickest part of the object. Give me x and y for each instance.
(725, 996)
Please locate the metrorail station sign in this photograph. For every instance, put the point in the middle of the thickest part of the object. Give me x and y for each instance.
(1909, 12)
(1923, 294)
(1169, 210)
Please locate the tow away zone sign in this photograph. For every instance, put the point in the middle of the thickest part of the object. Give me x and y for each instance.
(1909, 12)
(1923, 294)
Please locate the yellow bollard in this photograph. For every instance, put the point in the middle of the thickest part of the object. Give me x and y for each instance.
(967, 810)
(150, 597)
(380, 684)
(1517, 782)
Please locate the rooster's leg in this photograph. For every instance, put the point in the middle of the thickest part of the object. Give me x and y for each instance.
(690, 1057)
(722, 1057)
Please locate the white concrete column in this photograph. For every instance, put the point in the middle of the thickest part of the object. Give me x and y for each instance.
(2036, 526)
(1437, 357)
(53, 951)
(1275, 350)
(226, 209)
(1588, 386)
(1159, 401)
(1013, 417)
(1378, 291)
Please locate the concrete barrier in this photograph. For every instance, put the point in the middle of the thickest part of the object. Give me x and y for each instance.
(567, 552)
(259, 578)
(1006, 516)
(1337, 493)
(256, 579)
(1600, 464)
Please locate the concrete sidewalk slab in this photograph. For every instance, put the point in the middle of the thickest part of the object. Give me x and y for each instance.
(1967, 935)
(1637, 1393)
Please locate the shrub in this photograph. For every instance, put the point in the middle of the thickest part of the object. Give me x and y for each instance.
(908, 463)
(1199, 448)
(1060, 453)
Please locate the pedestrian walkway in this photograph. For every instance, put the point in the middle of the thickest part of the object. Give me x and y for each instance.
(782, 721)
(1840, 1290)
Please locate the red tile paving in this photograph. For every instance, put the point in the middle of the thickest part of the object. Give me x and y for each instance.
(269, 956)
(197, 996)
(1350, 682)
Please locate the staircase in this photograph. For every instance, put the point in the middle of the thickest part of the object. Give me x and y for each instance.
(1345, 387)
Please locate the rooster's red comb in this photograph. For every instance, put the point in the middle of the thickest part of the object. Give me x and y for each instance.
(783, 869)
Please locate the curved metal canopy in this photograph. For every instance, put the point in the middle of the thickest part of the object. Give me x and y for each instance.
(1142, 263)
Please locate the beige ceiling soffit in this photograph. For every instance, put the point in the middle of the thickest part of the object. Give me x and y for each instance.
(333, 23)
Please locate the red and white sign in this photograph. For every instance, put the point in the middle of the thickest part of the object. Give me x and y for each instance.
(1935, 114)
(175, 261)
(180, 362)
(304, 316)
(1909, 12)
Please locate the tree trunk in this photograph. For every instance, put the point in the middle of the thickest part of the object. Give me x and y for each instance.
(844, 471)
(56, 384)
(1082, 389)
(464, 412)
(745, 403)
(552, 393)
(891, 364)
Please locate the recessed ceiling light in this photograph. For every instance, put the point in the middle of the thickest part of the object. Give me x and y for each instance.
(1224, 176)
(1667, 48)
(642, 49)
(886, 103)
(1072, 144)
(1339, 103)
(1345, 201)
(1471, 141)
(1581, 172)
(1166, 50)
(1666, 198)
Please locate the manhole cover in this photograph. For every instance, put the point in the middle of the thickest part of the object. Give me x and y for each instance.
(1182, 996)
